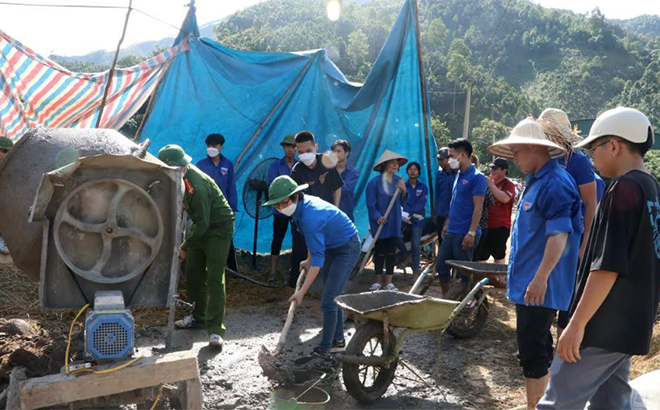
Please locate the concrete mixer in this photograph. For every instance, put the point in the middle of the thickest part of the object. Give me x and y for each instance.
(97, 220)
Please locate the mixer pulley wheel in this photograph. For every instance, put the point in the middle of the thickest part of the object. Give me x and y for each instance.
(108, 230)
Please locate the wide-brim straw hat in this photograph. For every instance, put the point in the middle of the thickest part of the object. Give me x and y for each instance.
(558, 129)
(526, 132)
(388, 156)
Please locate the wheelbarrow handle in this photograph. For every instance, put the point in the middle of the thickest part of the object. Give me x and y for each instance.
(470, 295)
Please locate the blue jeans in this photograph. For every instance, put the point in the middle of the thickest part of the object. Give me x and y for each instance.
(339, 262)
(452, 249)
(415, 237)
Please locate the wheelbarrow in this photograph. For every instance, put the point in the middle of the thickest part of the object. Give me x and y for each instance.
(372, 355)
(472, 318)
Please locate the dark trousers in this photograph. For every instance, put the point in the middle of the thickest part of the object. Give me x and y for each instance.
(298, 254)
(280, 226)
(535, 350)
(384, 253)
(439, 225)
(231, 258)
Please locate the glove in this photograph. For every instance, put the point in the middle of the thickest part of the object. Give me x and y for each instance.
(418, 217)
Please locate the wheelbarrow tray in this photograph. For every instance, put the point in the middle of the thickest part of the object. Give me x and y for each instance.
(402, 309)
(496, 273)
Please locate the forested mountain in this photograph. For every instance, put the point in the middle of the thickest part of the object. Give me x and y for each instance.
(519, 61)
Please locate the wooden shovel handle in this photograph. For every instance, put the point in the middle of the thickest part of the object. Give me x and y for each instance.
(289, 316)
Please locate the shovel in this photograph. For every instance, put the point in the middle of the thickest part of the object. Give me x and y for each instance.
(367, 254)
(266, 359)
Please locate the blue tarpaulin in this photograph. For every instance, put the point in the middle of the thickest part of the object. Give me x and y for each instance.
(254, 99)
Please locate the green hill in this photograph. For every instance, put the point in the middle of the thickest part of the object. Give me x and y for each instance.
(520, 61)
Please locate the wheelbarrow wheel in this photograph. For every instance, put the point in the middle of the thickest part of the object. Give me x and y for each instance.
(471, 319)
(365, 383)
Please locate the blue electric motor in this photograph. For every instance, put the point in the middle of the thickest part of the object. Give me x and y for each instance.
(109, 328)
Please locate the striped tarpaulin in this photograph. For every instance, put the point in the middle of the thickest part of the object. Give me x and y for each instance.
(35, 91)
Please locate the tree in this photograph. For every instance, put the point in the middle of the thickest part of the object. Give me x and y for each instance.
(459, 65)
(357, 52)
(440, 132)
(435, 35)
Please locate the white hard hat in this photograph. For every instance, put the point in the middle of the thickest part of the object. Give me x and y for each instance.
(622, 122)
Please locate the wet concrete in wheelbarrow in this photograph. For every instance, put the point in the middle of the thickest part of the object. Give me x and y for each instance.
(476, 373)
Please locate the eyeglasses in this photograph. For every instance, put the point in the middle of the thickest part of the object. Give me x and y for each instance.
(593, 147)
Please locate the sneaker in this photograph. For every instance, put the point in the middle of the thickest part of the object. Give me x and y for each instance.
(187, 322)
(319, 352)
(375, 287)
(216, 341)
(3, 246)
(390, 286)
(338, 346)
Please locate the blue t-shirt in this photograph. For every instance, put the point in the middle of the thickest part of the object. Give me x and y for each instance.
(323, 225)
(468, 184)
(223, 175)
(416, 202)
(378, 196)
(444, 183)
(600, 188)
(347, 201)
(580, 168)
(550, 205)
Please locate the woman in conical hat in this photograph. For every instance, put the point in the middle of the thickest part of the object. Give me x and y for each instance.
(380, 190)
(558, 129)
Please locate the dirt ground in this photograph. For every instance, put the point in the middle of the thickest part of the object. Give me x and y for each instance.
(477, 373)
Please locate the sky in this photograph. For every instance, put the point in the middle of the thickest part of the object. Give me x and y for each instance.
(74, 31)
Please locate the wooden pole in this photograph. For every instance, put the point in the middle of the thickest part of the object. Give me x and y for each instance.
(106, 88)
(466, 120)
(272, 112)
(425, 104)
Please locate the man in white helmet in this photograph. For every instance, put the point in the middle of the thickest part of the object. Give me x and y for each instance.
(618, 288)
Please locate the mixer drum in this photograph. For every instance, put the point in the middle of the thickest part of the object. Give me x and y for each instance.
(101, 221)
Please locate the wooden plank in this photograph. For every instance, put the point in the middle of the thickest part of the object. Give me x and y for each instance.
(61, 388)
(17, 376)
(193, 396)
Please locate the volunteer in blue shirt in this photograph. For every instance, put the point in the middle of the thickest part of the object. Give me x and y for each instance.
(444, 183)
(350, 175)
(415, 207)
(333, 248)
(221, 170)
(544, 248)
(557, 128)
(379, 194)
(280, 222)
(461, 228)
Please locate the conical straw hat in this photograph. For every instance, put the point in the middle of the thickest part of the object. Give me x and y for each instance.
(557, 128)
(527, 132)
(389, 155)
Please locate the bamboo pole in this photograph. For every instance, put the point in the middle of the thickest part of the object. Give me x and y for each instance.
(425, 104)
(106, 88)
(272, 112)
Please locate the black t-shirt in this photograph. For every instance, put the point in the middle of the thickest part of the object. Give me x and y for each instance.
(323, 181)
(625, 239)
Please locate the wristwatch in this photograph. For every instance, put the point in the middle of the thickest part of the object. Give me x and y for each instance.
(472, 233)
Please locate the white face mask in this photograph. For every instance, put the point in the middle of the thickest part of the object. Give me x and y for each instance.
(289, 210)
(307, 158)
(453, 163)
(212, 152)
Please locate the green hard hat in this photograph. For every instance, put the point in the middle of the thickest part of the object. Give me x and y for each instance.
(174, 156)
(289, 139)
(6, 143)
(281, 188)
